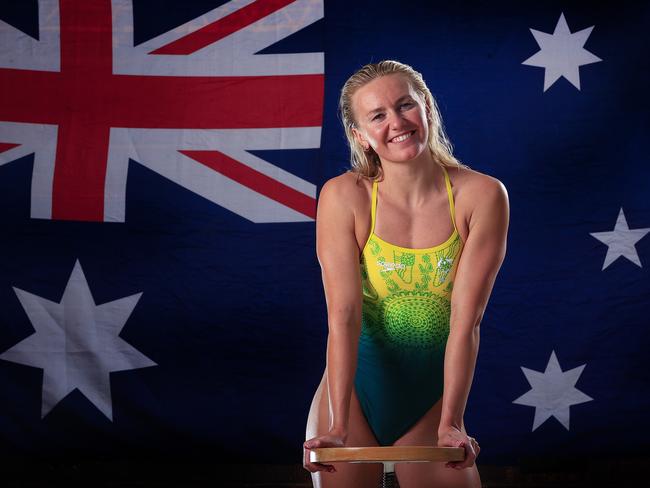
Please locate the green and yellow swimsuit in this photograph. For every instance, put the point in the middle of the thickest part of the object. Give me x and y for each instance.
(405, 325)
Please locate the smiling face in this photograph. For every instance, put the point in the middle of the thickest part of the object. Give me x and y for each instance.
(391, 118)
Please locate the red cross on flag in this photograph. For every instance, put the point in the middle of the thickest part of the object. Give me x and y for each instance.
(189, 104)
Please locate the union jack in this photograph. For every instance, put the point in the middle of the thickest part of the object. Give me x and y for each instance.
(188, 104)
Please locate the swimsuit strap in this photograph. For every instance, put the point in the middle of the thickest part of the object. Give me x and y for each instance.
(450, 195)
(452, 209)
(373, 208)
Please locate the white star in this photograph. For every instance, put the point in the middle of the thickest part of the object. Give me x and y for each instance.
(561, 53)
(621, 241)
(76, 343)
(552, 392)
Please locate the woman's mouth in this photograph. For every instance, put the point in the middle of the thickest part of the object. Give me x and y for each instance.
(402, 137)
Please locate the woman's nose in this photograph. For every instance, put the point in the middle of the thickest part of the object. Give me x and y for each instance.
(396, 121)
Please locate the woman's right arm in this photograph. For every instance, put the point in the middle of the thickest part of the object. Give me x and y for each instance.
(338, 254)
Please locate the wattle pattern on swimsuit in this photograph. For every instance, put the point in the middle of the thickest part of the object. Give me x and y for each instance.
(405, 325)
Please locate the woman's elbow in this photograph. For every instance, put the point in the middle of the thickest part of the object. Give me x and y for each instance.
(344, 319)
(468, 321)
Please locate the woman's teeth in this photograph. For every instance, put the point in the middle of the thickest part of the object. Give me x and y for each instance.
(401, 138)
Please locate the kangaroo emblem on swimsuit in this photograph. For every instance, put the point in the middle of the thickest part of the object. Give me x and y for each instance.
(444, 266)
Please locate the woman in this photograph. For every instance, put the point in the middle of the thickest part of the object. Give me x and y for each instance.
(393, 236)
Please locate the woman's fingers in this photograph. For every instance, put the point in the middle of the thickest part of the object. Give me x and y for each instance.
(314, 467)
(306, 461)
(477, 448)
(471, 452)
(470, 455)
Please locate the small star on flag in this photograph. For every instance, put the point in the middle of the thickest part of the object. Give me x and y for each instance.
(621, 241)
(552, 392)
(561, 53)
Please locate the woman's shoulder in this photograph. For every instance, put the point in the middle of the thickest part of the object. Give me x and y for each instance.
(474, 185)
(477, 194)
(352, 188)
(343, 199)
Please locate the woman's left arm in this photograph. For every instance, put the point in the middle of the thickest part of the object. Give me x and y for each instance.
(479, 264)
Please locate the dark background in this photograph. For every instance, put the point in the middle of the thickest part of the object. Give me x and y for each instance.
(233, 312)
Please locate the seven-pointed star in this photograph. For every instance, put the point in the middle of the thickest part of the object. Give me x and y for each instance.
(621, 241)
(552, 392)
(77, 343)
(561, 53)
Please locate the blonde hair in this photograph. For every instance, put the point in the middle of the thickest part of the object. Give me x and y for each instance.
(367, 163)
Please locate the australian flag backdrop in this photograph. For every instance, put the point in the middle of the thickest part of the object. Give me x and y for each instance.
(160, 163)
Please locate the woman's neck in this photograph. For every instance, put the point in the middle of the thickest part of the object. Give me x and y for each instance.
(414, 182)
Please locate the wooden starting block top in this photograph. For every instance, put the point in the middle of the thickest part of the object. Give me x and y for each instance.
(392, 454)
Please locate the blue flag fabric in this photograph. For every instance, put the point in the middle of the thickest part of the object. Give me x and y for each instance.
(159, 168)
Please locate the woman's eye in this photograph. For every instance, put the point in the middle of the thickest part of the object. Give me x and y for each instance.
(407, 105)
(378, 117)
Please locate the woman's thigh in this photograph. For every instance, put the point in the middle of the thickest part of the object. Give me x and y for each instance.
(435, 475)
(426, 475)
(347, 475)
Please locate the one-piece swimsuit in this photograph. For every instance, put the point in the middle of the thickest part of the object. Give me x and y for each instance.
(405, 324)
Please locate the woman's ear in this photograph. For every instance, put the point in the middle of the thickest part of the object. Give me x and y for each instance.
(427, 109)
(360, 139)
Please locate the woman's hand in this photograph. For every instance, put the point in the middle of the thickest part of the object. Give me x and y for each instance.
(332, 439)
(452, 437)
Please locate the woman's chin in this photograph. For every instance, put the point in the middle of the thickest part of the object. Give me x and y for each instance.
(404, 155)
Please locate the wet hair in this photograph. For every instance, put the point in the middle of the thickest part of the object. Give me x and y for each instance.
(367, 163)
